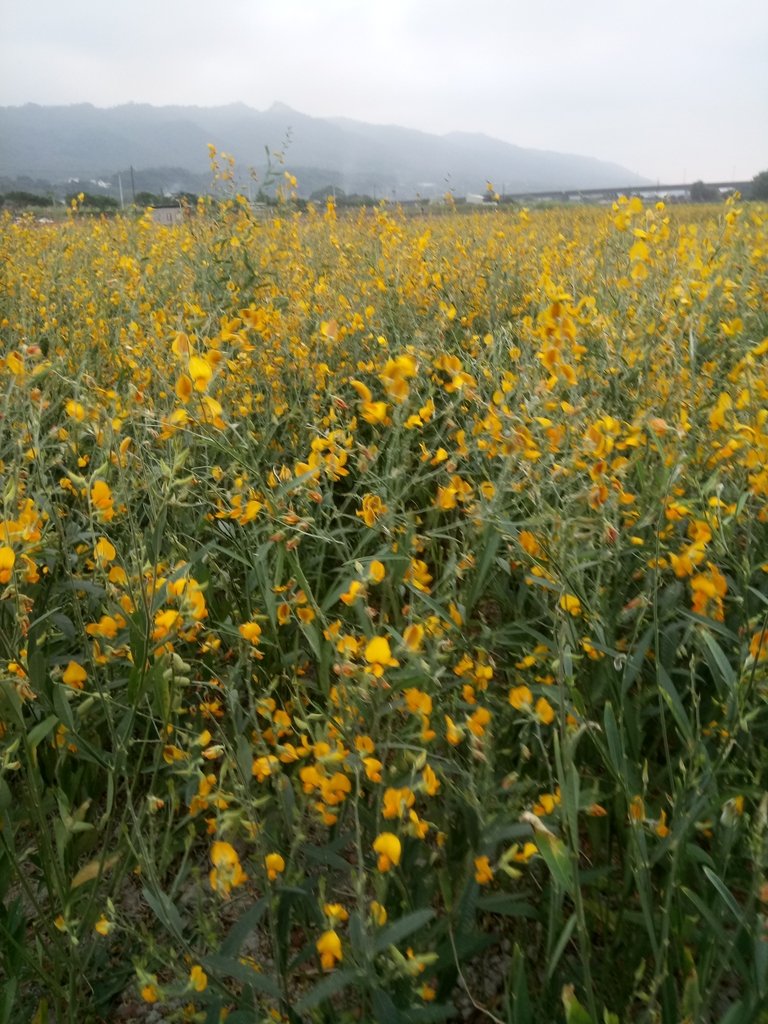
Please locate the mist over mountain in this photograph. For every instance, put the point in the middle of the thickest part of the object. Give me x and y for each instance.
(57, 143)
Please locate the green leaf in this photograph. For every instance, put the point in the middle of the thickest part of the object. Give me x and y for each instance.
(738, 1014)
(522, 1012)
(325, 855)
(508, 906)
(695, 853)
(501, 831)
(721, 668)
(557, 859)
(335, 982)
(385, 1011)
(39, 732)
(161, 693)
(358, 938)
(312, 634)
(490, 545)
(5, 799)
(8, 999)
(672, 698)
(398, 930)
(238, 1017)
(243, 927)
(562, 942)
(726, 948)
(760, 953)
(424, 1014)
(634, 662)
(165, 911)
(218, 965)
(691, 1001)
(613, 739)
(61, 705)
(64, 623)
(574, 1011)
(725, 895)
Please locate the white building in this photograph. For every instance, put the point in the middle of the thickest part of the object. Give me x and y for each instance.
(168, 215)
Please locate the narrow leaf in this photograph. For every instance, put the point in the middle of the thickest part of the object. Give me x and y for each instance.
(400, 929)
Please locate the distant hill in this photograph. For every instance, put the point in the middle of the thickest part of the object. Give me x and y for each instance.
(95, 144)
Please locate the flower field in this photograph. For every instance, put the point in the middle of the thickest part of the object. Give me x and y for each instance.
(384, 616)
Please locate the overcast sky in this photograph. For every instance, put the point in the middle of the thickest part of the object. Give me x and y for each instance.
(672, 89)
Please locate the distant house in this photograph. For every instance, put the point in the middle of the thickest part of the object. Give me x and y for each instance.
(168, 215)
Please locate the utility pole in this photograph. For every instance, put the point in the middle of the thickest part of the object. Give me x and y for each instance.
(133, 187)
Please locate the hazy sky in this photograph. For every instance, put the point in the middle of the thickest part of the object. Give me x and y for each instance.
(673, 89)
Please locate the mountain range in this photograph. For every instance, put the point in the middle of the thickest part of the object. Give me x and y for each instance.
(88, 143)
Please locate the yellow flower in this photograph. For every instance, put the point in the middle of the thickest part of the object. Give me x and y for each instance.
(150, 993)
(483, 676)
(373, 509)
(389, 848)
(250, 631)
(373, 768)
(571, 604)
(103, 926)
(661, 828)
(544, 711)
(397, 802)
(636, 809)
(200, 371)
(547, 802)
(523, 854)
(430, 780)
(521, 698)
(418, 575)
(378, 913)
(329, 948)
(7, 562)
(172, 753)
(198, 979)
(74, 675)
(416, 826)
(478, 720)
(104, 552)
(102, 500)
(364, 745)
(264, 766)
(227, 871)
(375, 413)
(376, 571)
(413, 637)
(758, 646)
(453, 733)
(75, 411)
(483, 871)
(356, 589)
(379, 656)
(107, 627)
(184, 388)
(336, 913)
(463, 666)
(417, 701)
(274, 864)
(456, 617)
